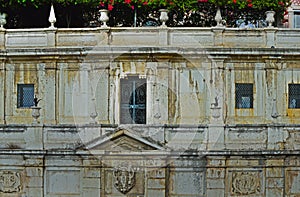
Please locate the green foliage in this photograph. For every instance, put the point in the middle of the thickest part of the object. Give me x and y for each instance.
(79, 13)
(171, 4)
(256, 4)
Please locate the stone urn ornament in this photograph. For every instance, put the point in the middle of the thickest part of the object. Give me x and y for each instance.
(270, 18)
(163, 17)
(36, 110)
(104, 17)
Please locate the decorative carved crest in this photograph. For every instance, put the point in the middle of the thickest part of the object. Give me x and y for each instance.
(124, 178)
(245, 183)
(9, 181)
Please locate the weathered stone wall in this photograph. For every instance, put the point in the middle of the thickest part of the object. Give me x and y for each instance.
(195, 141)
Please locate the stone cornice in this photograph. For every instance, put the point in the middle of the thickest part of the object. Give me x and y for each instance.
(115, 52)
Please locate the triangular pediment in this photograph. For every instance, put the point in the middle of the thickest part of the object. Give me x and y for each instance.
(123, 140)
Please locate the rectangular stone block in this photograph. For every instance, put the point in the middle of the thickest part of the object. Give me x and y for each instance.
(184, 138)
(91, 192)
(215, 184)
(91, 182)
(35, 181)
(216, 161)
(274, 192)
(130, 38)
(12, 160)
(215, 192)
(34, 192)
(234, 39)
(76, 39)
(214, 173)
(274, 162)
(34, 171)
(274, 172)
(91, 173)
(156, 183)
(275, 183)
(63, 182)
(186, 183)
(67, 161)
(243, 162)
(184, 37)
(246, 138)
(287, 39)
(156, 192)
(26, 39)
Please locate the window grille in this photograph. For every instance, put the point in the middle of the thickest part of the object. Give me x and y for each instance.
(294, 96)
(243, 95)
(296, 19)
(25, 95)
(133, 101)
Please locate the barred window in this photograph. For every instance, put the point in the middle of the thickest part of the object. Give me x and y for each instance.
(243, 95)
(25, 95)
(294, 96)
(133, 100)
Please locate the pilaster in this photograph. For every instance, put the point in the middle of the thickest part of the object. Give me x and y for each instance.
(2, 38)
(51, 34)
(218, 35)
(2, 91)
(163, 36)
(216, 140)
(270, 37)
(215, 176)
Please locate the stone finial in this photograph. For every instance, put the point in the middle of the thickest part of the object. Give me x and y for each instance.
(2, 20)
(219, 19)
(52, 18)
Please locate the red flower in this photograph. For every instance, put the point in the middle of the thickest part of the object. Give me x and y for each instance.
(203, 1)
(145, 3)
(132, 7)
(128, 1)
(110, 7)
(250, 5)
(281, 3)
(234, 1)
(102, 4)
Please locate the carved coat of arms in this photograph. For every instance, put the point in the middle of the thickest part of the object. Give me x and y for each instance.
(124, 178)
(245, 183)
(9, 181)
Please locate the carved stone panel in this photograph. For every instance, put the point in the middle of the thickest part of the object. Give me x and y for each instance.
(246, 182)
(124, 178)
(10, 181)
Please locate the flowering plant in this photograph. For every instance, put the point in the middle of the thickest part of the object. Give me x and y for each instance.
(256, 4)
(193, 4)
(109, 4)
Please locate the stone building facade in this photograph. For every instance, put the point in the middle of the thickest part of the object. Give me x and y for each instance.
(149, 112)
